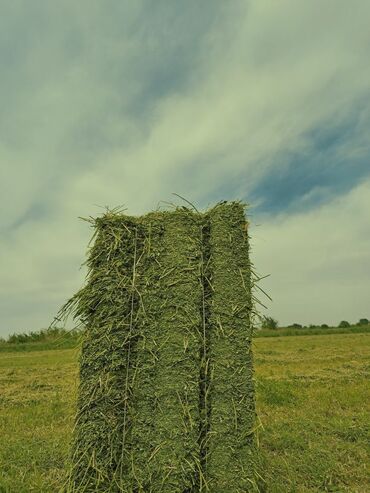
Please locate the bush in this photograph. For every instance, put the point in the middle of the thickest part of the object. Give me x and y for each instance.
(324, 326)
(41, 335)
(363, 321)
(269, 323)
(295, 326)
(344, 324)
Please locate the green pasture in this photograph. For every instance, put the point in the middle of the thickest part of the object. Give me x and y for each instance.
(313, 396)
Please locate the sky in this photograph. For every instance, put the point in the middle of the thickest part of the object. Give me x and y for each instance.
(121, 103)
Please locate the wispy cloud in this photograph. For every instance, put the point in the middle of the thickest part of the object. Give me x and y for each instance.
(334, 159)
(318, 261)
(121, 103)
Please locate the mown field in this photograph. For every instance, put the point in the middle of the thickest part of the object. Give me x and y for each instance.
(313, 397)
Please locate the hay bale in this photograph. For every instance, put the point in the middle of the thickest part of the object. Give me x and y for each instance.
(166, 392)
(106, 306)
(166, 399)
(231, 452)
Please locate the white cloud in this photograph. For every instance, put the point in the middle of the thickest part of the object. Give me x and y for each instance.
(319, 261)
(89, 118)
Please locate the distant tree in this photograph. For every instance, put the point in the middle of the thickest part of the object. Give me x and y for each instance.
(344, 324)
(311, 326)
(269, 323)
(324, 326)
(363, 321)
(295, 326)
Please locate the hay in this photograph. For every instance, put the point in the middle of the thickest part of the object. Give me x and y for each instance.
(166, 398)
(230, 461)
(166, 392)
(106, 306)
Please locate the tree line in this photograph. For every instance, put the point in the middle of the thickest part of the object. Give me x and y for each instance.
(272, 324)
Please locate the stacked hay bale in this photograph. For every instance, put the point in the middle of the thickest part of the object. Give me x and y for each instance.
(166, 398)
(231, 456)
(166, 391)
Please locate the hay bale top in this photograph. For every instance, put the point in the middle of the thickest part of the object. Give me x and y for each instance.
(115, 216)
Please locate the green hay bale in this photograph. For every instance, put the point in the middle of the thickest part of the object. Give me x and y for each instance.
(105, 306)
(145, 399)
(231, 452)
(166, 393)
(166, 398)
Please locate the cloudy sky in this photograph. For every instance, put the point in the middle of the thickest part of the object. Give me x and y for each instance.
(125, 102)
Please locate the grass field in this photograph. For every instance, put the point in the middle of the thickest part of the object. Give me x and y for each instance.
(313, 396)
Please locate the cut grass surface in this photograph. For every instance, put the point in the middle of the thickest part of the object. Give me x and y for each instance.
(312, 399)
(37, 403)
(313, 395)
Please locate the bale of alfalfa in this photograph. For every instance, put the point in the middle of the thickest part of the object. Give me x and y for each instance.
(166, 401)
(106, 307)
(137, 422)
(165, 395)
(231, 454)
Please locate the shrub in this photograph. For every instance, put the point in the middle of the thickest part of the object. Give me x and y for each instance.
(344, 324)
(269, 323)
(48, 334)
